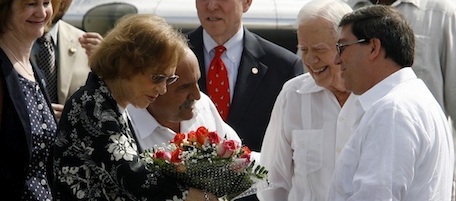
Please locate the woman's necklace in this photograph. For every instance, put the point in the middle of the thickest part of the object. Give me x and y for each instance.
(17, 60)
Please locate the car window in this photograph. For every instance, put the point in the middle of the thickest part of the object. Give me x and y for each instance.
(103, 17)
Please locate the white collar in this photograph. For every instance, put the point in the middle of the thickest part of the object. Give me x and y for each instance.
(308, 84)
(233, 46)
(143, 122)
(368, 98)
(54, 30)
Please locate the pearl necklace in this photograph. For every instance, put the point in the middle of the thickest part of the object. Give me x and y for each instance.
(17, 60)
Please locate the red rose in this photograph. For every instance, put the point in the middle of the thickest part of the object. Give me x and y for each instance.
(213, 138)
(191, 137)
(246, 153)
(246, 150)
(201, 134)
(175, 156)
(178, 139)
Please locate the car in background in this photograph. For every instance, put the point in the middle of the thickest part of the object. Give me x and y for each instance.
(272, 19)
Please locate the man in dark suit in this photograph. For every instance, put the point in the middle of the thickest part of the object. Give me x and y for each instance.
(256, 68)
(72, 48)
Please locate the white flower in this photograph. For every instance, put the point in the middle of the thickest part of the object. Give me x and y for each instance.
(121, 148)
(65, 169)
(74, 170)
(80, 194)
(67, 174)
(69, 180)
(184, 197)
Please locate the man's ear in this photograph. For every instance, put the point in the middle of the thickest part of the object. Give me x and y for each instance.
(246, 5)
(376, 47)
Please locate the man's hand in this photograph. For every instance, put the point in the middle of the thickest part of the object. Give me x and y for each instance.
(89, 41)
(58, 108)
(199, 195)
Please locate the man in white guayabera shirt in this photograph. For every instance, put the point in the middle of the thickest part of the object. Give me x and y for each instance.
(313, 116)
(403, 147)
(433, 23)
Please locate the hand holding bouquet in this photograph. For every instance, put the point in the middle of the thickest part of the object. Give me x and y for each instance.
(202, 160)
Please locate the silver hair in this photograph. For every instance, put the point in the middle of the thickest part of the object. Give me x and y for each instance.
(331, 10)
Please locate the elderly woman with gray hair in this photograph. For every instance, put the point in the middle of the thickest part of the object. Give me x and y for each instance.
(314, 115)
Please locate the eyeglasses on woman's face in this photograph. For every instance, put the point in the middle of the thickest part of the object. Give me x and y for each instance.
(341, 46)
(157, 79)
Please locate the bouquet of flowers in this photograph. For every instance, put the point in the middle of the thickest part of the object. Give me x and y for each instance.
(202, 160)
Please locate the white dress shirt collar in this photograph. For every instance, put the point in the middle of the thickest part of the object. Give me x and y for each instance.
(233, 46)
(308, 85)
(368, 98)
(144, 123)
(54, 30)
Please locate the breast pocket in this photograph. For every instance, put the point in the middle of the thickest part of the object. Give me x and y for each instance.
(307, 150)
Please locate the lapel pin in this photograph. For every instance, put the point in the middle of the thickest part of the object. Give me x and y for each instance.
(72, 50)
(255, 70)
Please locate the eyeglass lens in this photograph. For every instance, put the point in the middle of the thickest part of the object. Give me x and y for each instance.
(161, 78)
(341, 46)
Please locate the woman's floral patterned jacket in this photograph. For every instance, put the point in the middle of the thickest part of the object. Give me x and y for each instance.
(96, 156)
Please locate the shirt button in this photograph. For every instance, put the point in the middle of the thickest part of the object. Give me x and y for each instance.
(43, 182)
(41, 164)
(42, 145)
(342, 119)
(47, 199)
(37, 87)
(40, 106)
(339, 150)
(44, 126)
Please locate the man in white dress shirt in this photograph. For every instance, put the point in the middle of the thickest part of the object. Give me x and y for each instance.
(403, 147)
(433, 23)
(181, 109)
(313, 116)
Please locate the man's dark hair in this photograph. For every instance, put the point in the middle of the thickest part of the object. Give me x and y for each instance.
(389, 26)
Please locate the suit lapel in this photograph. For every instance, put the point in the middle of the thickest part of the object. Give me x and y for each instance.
(250, 74)
(67, 45)
(196, 44)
